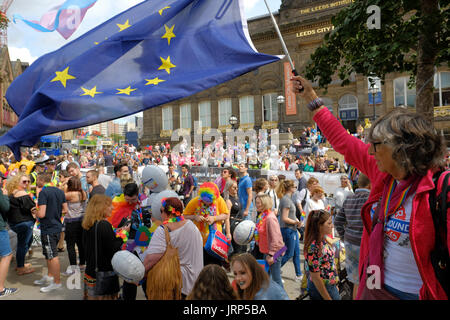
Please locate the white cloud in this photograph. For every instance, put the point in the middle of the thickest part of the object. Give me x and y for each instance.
(250, 4)
(21, 53)
(39, 43)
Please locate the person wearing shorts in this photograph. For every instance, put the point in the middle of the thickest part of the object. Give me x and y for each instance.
(52, 204)
(5, 246)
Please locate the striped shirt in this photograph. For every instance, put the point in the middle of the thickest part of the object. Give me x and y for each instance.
(348, 220)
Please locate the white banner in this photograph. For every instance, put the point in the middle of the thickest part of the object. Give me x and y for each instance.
(328, 181)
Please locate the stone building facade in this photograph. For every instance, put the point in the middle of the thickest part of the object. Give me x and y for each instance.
(252, 97)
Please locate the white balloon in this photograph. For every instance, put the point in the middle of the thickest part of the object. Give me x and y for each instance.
(156, 202)
(128, 266)
(244, 232)
(154, 178)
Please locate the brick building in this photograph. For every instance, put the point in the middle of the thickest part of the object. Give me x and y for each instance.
(253, 96)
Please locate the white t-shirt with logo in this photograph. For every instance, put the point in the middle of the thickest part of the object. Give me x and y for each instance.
(400, 268)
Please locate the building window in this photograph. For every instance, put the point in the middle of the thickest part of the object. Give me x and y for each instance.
(327, 102)
(167, 122)
(402, 94)
(225, 111)
(204, 112)
(270, 107)
(185, 116)
(441, 89)
(246, 110)
(348, 107)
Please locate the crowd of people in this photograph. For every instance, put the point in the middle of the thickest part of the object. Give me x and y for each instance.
(96, 214)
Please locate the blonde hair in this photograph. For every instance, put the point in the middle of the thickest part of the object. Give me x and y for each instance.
(96, 210)
(12, 184)
(125, 179)
(266, 200)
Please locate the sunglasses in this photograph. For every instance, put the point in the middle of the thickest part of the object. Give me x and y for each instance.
(317, 213)
(26, 181)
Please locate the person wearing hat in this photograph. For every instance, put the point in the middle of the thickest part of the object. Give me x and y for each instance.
(51, 168)
(39, 167)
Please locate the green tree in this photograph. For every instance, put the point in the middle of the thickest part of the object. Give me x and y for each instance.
(117, 137)
(413, 37)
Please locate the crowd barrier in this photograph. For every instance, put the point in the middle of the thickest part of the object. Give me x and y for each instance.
(328, 181)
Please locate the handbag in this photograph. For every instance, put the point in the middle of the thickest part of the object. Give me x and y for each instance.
(164, 280)
(217, 244)
(374, 293)
(106, 282)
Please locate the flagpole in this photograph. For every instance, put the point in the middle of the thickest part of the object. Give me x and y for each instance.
(286, 52)
(283, 44)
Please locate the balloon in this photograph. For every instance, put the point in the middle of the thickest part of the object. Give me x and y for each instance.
(156, 202)
(128, 266)
(244, 231)
(154, 178)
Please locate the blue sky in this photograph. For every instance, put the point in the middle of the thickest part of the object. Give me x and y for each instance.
(26, 44)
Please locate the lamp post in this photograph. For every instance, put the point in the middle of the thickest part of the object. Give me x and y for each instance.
(233, 121)
(373, 90)
(280, 101)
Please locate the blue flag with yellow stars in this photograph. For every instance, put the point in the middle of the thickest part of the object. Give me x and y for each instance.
(151, 54)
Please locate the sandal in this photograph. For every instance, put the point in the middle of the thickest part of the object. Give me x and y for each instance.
(26, 271)
(26, 265)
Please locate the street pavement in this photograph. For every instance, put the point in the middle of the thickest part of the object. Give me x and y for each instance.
(29, 291)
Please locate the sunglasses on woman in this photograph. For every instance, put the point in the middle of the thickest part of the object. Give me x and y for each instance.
(26, 181)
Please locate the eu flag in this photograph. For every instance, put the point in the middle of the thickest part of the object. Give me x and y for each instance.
(152, 54)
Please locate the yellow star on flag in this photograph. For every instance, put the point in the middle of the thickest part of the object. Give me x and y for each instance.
(154, 81)
(126, 91)
(161, 11)
(169, 33)
(124, 26)
(166, 64)
(63, 76)
(91, 92)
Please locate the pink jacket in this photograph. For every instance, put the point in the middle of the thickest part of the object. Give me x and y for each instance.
(270, 238)
(421, 230)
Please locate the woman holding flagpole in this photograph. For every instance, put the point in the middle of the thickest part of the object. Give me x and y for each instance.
(402, 155)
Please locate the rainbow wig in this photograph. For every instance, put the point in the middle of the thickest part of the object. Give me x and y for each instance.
(208, 192)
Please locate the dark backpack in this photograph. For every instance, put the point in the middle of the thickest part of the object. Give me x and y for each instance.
(438, 206)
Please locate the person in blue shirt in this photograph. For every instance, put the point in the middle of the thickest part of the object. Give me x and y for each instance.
(252, 282)
(245, 191)
(114, 188)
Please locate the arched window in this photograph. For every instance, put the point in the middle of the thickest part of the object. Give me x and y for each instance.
(348, 107)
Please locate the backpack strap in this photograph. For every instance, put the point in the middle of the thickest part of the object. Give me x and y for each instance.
(438, 206)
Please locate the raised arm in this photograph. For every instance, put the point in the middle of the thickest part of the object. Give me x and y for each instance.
(354, 150)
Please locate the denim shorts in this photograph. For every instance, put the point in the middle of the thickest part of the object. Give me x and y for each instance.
(5, 246)
(351, 262)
